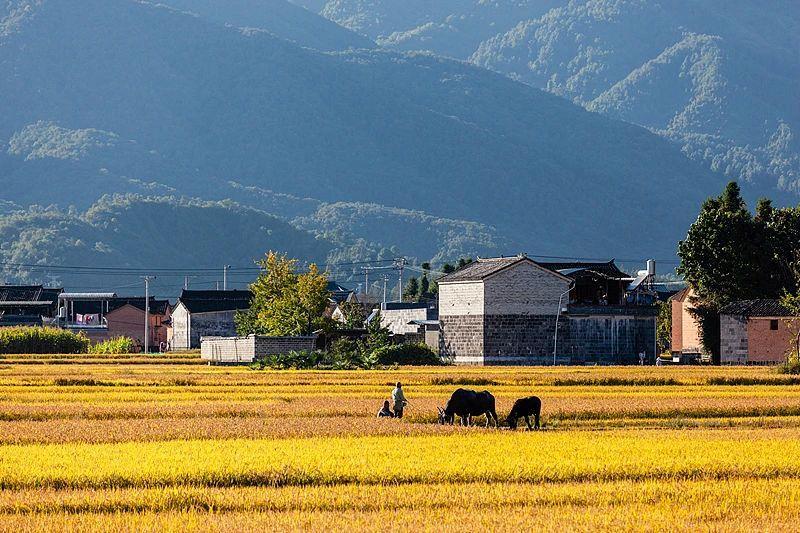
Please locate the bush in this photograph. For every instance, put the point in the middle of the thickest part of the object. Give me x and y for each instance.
(790, 367)
(117, 345)
(297, 360)
(34, 340)
(407, 354)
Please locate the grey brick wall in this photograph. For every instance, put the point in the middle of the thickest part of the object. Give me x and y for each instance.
(734, 344)
(519, 339)
(461, 338)
(608, 339)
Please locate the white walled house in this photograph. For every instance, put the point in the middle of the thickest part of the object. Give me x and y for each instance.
(205, 314)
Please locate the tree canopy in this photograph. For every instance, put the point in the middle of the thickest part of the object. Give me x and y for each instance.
(285, 302)
(731, 254)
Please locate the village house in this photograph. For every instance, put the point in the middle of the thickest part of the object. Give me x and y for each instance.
(28, 305)
(755, 332)
(513, 310)
(125, 318)
(205, 314)
(685, 343)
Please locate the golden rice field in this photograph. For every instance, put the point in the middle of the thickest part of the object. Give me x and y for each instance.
(146, 445)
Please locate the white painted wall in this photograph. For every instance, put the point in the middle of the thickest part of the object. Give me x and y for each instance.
(524, 289)
(461, 298)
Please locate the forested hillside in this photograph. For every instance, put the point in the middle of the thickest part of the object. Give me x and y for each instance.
(376, 151)
(718, 77)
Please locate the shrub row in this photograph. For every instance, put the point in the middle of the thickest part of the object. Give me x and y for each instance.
(33, 340)
(117, 345)
(19, 340)
(347, 354)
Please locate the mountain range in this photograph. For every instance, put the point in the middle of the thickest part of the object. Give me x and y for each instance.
(717, 77)
(261, 109)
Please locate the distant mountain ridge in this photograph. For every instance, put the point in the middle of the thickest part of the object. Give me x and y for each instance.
(117, 96)
(719, 77)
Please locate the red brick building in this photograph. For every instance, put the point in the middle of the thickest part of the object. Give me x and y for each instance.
(755, 332)
(685, 329)
(125, 318)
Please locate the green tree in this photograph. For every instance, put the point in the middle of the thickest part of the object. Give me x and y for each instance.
(447, 268)
(792, 303)
(424, 287)
(285, 302)
(729, 254)
(354, 315)
(664, 326)
(411, 292)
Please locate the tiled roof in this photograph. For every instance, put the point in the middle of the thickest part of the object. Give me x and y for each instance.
(755, 308)
(481, 269)
(574, 268)
(157, 307)
(28, 293)
(214, 301)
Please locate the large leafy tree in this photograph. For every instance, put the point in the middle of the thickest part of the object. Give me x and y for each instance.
(730, 254)
(285, 302)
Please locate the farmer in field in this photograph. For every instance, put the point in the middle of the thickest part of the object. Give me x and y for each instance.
(386, 411)
(399, 400)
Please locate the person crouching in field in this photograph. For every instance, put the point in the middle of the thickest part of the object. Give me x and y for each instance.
(399, 400)
(385, 411)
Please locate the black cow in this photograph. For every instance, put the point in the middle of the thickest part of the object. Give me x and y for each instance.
(525, 407)
(467, 403)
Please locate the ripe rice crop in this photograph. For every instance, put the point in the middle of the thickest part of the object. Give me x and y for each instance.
(152, 446)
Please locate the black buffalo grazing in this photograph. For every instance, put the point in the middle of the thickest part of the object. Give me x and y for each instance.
(525, 407)
(467, 403)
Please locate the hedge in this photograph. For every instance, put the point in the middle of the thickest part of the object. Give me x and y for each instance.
(408, 354)
(33, 340)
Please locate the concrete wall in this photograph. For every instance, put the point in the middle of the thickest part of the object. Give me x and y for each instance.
(524, 289)
(247, 349)
(733, 339)
(228, 349)
(397, 320)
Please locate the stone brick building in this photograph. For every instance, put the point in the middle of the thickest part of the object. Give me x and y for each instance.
(513, 310)
(754, 332)
(205, 314)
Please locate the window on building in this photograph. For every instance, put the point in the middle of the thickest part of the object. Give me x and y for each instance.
(773, 325)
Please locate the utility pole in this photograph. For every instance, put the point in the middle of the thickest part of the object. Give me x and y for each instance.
(225, 277)
(147, 312)
(385, 281)
(399, 264)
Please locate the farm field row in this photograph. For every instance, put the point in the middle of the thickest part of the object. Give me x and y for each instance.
(674, 505)
(190, 447)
